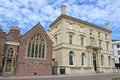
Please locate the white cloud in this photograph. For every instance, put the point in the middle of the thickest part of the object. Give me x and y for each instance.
(27, 13)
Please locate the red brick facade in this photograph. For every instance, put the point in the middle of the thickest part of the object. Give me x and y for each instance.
(7, 41)
(32, 66)
(21, 65)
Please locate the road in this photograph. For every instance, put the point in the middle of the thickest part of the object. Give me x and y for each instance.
(98, 76)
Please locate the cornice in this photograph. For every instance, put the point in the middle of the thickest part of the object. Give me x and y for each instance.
(79, 21)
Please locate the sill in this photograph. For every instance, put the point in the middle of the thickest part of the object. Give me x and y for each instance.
(84, 66)
(71, 65)
(35, 58)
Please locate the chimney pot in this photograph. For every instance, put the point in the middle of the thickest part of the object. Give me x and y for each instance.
(107, 26)
(63, 9)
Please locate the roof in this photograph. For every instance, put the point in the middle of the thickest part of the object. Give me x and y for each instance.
(37, 25)
(115, 41)
(78, 20)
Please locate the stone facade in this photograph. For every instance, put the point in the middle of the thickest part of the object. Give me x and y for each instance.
(79, 46)
(14, 52)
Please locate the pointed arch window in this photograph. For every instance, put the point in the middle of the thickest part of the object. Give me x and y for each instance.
(83, 59)
(36, 47)
(10, 52)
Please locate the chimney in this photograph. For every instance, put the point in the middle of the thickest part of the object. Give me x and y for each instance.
(63, 9)
(107, 26)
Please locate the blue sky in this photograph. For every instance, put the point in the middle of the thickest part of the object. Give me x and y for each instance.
(27, 13)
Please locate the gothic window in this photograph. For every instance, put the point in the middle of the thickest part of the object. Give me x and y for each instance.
(109, 59)
(83, 59)
(8, 66)
(71, 56)
(10, 52)
(36, 47)
(102, 60)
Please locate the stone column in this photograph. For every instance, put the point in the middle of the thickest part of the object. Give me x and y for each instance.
(90, 64)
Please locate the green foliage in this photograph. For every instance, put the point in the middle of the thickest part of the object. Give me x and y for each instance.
(116, 79)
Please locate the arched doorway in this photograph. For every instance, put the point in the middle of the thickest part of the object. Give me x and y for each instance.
(94, 62)
(9, 62)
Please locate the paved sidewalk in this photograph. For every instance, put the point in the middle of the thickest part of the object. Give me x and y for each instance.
(98, 76)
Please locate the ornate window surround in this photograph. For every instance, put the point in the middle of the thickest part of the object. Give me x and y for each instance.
(37, 45)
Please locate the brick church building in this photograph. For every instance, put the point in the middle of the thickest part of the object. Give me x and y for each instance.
(25, 55)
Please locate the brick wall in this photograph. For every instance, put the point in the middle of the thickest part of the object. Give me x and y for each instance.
(32, 66)
(2, 41)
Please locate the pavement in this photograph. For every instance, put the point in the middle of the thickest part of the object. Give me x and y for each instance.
(96, 76)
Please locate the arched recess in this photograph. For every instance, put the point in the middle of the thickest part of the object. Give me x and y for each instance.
(10, 61)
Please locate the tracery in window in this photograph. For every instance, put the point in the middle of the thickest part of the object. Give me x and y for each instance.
(36, 47)
(10, 53)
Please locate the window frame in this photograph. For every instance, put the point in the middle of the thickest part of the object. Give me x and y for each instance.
(81, 29)
(37, 48)
(98, 34)
(81, 41)
(91, 31)
(102, 60)
(70, 39)
(70, 26)
(109, 60)
(83, 59)
(71, 58)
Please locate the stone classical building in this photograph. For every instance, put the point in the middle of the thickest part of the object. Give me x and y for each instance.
(116, 49)
(26, 55)
(79, 46)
